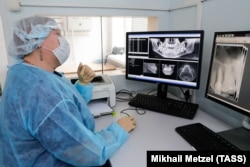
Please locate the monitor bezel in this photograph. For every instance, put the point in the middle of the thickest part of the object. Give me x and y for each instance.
(209, 96)
(169, 83)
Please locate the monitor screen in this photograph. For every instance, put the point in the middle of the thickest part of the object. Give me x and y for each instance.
(228, 79)
(165, 57)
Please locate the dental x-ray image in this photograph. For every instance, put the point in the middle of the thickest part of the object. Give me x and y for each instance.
(174, 47)
(227, 71)
(168, 70)
(187, 72)
(150, 68)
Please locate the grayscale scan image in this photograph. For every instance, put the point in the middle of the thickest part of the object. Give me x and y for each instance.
(173, 47)
(227, 71)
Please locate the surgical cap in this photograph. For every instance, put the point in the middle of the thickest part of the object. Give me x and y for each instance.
(29, 33)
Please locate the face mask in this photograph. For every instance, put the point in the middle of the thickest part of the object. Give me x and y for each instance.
(62, 51)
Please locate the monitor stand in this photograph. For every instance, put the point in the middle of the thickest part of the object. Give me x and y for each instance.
(162, 91)
(240, 137)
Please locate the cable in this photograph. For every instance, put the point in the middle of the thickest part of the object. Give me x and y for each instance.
(152, 91)
(186, 94)
(125, 95)
(136, 109)
(129, 94)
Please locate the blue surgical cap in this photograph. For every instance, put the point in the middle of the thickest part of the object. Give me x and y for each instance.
(29, 33)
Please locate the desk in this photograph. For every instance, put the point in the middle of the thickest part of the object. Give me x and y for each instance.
(154, 131)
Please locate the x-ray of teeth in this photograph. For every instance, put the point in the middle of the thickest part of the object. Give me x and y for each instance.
(168, 69)
(227, 71)
(187, 73)
(172, 47)
(150, 68)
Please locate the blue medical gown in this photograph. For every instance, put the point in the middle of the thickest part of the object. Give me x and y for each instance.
(46, 122)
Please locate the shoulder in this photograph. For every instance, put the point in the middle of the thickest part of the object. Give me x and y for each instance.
(27, 78)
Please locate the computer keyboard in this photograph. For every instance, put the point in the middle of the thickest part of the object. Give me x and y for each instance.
(166, 106)
(204, 139)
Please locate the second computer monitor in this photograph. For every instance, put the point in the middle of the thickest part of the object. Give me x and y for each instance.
(228, 79)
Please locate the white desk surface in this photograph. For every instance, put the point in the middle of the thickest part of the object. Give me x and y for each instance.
(154, 131)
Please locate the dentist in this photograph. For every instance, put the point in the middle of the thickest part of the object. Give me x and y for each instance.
(44, 119)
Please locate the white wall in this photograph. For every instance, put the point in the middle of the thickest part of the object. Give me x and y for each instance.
(3, 56)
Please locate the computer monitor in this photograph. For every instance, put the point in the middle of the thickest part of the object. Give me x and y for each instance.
(165, 57)
(228, 80)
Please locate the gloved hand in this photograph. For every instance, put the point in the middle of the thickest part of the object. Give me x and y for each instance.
(128, 123)
(85, 74)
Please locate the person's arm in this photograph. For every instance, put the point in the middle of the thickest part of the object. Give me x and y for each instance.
(85, 74)
(84, 85)
(84, 90)
(64, 133)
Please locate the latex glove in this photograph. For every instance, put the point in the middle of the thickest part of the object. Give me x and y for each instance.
(128, 123)
(85, 74)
